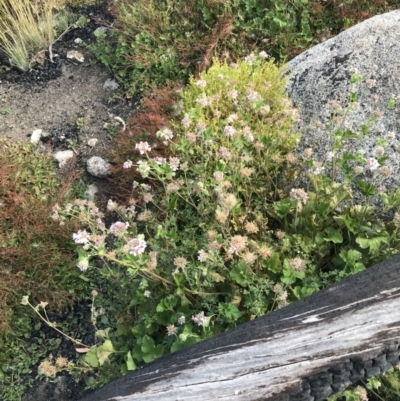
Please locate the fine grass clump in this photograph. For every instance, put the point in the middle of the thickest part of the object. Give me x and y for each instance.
(35, 252)
(26, 28)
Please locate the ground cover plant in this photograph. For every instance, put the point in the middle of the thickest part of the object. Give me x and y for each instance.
(37, 258)
(155, 42)
(35, 252)
(216, 232)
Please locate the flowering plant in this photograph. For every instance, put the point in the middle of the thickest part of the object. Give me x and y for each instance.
(233, 223)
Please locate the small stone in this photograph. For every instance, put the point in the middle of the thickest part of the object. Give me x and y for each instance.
(74, 55)
(78, 41)
(91, 192)
(36, 135)
(110, 85)
(92, 142)
(62, 157)
(98, 167)
(45, 134)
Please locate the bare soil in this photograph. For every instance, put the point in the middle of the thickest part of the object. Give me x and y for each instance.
(63, 98)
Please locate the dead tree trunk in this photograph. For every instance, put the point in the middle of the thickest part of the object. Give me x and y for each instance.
(306, 351)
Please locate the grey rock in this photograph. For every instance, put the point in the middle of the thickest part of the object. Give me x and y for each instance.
(110, 85)
(323, 73)
(371, 372)
(62, 157)
(36, 135)
(92, 142)
(98, 167)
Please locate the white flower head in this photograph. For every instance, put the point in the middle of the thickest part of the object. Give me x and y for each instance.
(127, 164)
(250, 59)
(202, 255)
(200, 319)
(166, 134)
(186, 121)
(299, 194)
(229, 131)
(81, 237)
(119, 228)
(174, 163)
(137, 245)
(143, 147)
(372, 164)
(202, 83)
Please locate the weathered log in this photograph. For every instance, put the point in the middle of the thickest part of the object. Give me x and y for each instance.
(306, 351)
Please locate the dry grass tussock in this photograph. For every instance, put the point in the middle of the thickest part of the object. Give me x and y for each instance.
(36, 253)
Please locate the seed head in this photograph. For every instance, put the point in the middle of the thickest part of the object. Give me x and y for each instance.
(251, 228)
(171, 330)
(297, 264)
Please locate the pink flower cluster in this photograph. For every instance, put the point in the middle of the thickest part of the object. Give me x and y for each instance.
(143, 147)
(137, 246)
(119, 228)
(299, 194)
(81, 237)
(200, 319)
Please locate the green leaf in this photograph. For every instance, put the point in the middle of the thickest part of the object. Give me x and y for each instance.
(130, 363)
(139, 330)
(184, 341)
(283, 207)
(350, 256)
(239, 273)
(273, 264)
(348, 222)
(319, 238)
(104, 351)
(373, 383)
(147, 346)
(91, 357)
(159, 351)
(372, 243)
(302, 292)
(123, 327)
(365, 188)
(333, 235)
(167, 303)
(180, 279)
(229, 311)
